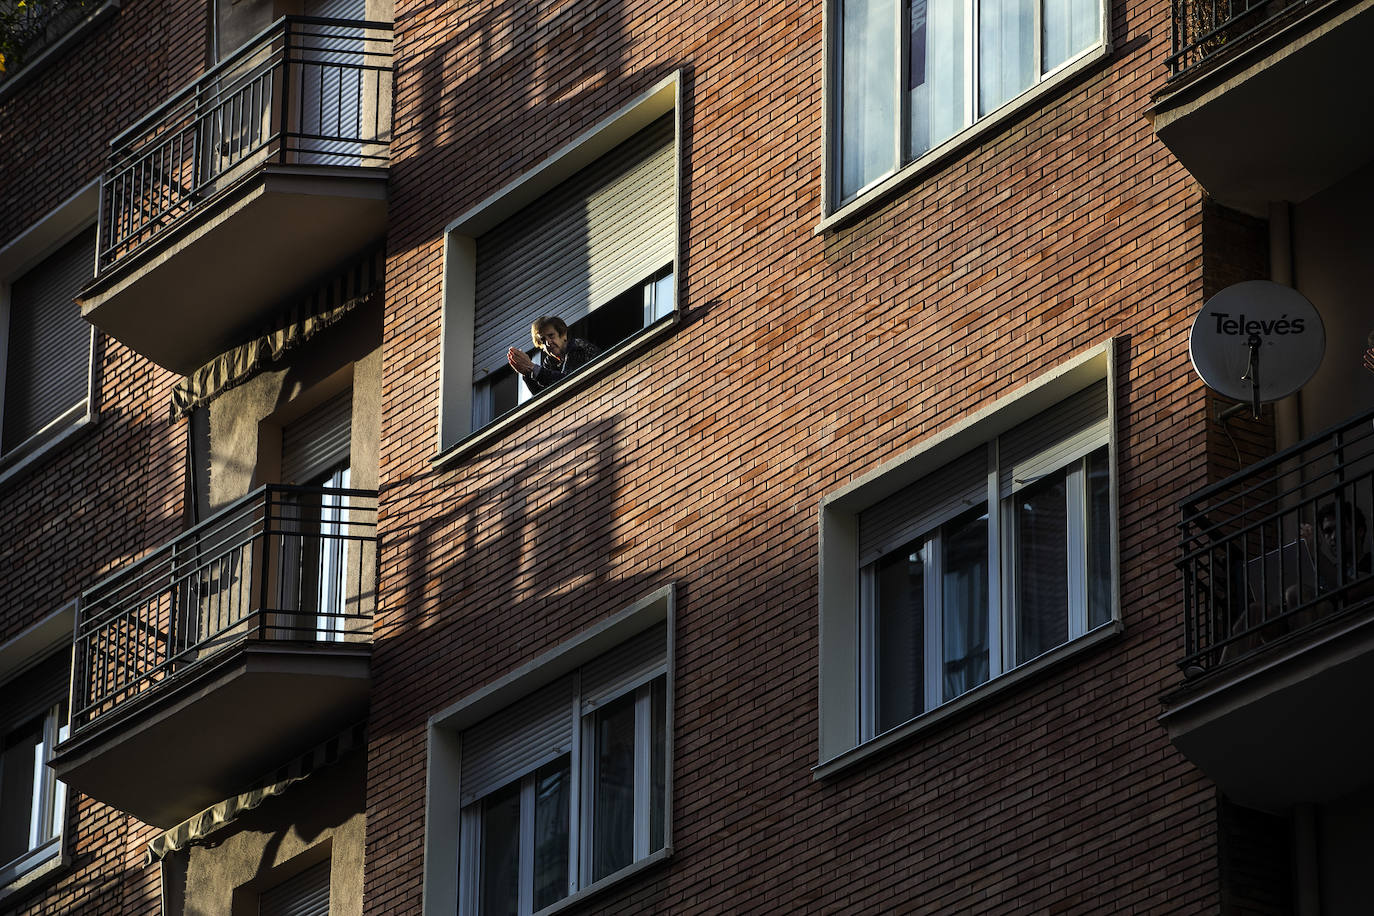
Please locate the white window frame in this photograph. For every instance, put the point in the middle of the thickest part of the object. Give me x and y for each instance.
(847, 686)
(450, 852)
(459, 429)
(72, 217)
(835, 208)
(37, 643)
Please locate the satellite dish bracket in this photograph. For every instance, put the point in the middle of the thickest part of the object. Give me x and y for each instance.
(1252, 375)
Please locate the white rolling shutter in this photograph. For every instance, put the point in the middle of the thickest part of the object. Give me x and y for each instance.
(609, 227)
(918, 508)
(305, 894)
(520, 738)
(318, 441)
(1067, 431)
(48, 362)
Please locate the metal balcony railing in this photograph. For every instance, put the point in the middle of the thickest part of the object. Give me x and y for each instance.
(1280, 547)
(283, 564)
(304, 91)
(1204, 29)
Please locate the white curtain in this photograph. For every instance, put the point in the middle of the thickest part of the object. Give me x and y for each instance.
(869, 117)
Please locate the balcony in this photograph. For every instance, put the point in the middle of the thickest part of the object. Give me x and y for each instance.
(242, 188)
(1268, 101)
(1278, 598)
(218, 655)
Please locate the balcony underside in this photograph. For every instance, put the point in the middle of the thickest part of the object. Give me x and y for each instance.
(1281, 119)
(1287, 725)
(196, 743)
(218, 279)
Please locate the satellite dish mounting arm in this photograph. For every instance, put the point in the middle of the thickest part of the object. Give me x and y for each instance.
(1252, 375)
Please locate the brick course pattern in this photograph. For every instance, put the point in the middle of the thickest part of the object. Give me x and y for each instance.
(114, 490)
(803, 361)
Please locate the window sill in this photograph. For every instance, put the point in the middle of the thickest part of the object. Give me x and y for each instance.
(883, 188)
(29, 453)
(975, 698)
(35, 870)
(597, 887)
(12, 83)
(613, 358)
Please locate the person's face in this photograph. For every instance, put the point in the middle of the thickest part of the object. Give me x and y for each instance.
(553, 343)
(1326, 536)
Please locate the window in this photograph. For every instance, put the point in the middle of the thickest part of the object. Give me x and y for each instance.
(303, 894)
(567, 786)
(590, 237)
(47, 351)
(32, 801)
(556, 781)
(972, 559)
(914, 73)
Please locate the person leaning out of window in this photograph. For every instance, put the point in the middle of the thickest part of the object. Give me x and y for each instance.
(559, 354)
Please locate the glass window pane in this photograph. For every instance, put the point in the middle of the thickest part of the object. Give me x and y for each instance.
(500, 889)
(899, 636)
(1042, 567)
(868, 97)
(613, 821)
(17, 790)
(935, 72)
(964, 597)
(1069, 27)
(1006, 51)
(1099, 539)
(552, 805)
(658, 764)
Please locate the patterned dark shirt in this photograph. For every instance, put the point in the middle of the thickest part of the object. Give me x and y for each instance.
(549, 372)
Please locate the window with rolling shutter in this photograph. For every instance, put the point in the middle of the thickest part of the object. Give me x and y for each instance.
(595, 251)
(983, 552)
(48, 347)
(569, 784)
(33, 718)
(589, 237)
(303, 894)
(318, 442)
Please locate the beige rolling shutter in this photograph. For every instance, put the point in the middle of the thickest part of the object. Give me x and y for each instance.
(305, 894)
(918, 508)
(627, 666)
(48, 362)
(517, 740)
(1067, 431)
(609, 227)
(318, 441)
(35, 691)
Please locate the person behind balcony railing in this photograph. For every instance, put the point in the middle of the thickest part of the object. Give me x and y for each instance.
(559, 354)
(1347, 564)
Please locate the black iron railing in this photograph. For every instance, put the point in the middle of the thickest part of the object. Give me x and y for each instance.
(1205, 29)
(1280, 547)
(304, 91)
(283, 564)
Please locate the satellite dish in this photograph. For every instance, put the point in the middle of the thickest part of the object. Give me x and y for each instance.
(1257, 341)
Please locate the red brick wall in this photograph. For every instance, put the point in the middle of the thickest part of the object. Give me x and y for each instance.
(804, 361)
(115, 490)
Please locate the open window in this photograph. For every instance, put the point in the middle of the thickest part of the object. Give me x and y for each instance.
(590, 237)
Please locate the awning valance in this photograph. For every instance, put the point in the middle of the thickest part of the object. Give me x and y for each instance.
(331, 301)
(201, 825)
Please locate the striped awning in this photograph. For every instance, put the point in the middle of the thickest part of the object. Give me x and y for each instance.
(221, 815)
(331, 301)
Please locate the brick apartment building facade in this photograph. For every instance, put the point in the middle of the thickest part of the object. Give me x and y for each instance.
(846, 579)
